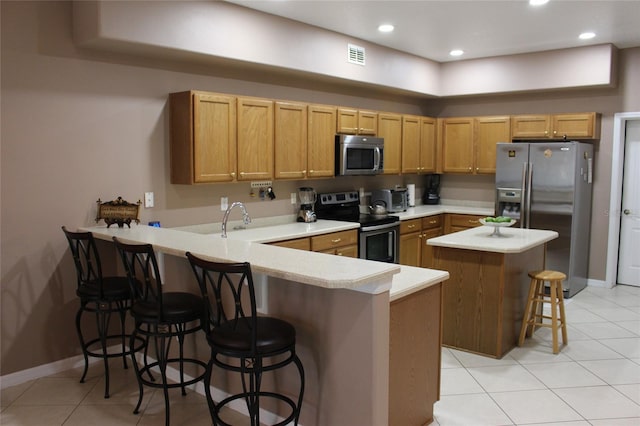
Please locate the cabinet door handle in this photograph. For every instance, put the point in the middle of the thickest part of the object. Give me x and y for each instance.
(433, 222)
(233, 174)
(473, 221)
(411, 226)
(336, 241)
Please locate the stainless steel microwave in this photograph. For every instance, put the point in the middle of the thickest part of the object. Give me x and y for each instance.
(359, 155)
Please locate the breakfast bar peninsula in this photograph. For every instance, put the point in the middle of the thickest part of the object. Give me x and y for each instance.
(368, 333)
(485, 296)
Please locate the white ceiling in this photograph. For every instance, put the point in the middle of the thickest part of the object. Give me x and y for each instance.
(482, 28)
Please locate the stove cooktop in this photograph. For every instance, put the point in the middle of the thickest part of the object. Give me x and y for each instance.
(346, 206)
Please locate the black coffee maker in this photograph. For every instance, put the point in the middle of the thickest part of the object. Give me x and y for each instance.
(431, 193)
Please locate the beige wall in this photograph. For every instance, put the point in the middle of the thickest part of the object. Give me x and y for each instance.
(78, 125)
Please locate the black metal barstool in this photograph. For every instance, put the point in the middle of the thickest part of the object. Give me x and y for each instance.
(160, 316)
(102, 296)
(240, 340)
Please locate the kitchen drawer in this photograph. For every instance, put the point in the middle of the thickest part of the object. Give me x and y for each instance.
(409, 226)
(346, 251)
(298, 243)
(431, 222)
(336, 239)
(460, 222)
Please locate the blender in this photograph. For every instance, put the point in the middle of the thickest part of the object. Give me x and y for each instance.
(307, 198)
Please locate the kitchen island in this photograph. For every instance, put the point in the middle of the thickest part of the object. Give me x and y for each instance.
(342, 310)
(484, 299)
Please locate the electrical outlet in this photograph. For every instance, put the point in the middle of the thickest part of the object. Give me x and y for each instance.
(293, 198)
(148, 199)
(261, 184)
(224, 203)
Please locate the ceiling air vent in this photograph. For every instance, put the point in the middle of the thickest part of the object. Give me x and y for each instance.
(356, 54)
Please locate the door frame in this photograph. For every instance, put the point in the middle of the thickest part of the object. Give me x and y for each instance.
(615, 203)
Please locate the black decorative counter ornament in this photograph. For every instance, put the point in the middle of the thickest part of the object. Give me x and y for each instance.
(118, 211)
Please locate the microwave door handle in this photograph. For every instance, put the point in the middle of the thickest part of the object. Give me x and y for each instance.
(376, 158)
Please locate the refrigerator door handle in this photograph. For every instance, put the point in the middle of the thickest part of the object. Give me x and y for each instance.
(523, 197)
(529, 167)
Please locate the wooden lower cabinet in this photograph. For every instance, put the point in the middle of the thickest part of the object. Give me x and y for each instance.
(343, 243)
(460, 222)
(298, 244)
(414, 234)
(410, 242)
(414, 357)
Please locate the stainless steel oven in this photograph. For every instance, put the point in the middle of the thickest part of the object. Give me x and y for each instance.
(379, 242)
(378, 237)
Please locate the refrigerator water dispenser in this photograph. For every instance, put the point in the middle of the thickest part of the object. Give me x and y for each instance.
(508, 202)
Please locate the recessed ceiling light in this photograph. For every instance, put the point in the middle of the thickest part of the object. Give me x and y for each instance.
(538, 2)
(587, 35)
(456, 52)
(385, 28)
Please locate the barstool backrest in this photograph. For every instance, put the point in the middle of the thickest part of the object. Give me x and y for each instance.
(86, 258)
(229, 294)
(141, 266)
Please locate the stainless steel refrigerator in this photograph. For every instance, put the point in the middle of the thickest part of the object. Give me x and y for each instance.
(548, 185)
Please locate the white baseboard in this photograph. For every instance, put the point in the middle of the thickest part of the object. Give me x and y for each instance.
(599, 283)
(20, 377)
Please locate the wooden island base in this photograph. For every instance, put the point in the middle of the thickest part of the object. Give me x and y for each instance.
(485, 296)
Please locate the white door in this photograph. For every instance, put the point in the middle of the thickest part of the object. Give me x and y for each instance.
(629, 251)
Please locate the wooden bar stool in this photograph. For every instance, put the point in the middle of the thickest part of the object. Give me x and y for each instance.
(533, 313)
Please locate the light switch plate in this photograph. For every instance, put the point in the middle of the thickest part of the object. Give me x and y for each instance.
(224, 203)
(148, 199)
(293, 198)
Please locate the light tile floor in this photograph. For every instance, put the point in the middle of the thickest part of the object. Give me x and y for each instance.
(594, 380)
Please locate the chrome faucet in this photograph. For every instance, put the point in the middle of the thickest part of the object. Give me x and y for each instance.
(245, 217)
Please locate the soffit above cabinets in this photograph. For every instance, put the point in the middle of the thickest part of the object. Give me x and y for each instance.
(221, 32)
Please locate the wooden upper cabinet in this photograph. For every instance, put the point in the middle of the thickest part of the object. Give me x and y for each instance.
(321, 145)
(290, 142)
(559, 126)
(418, 144)
(203, 137)
(428, 145)
(255, 139)
(457, 145)
(469, 143)
(488, 132)
(530, 126)
(390, 128)
(577, 126)
(368, 123)
(357, 122)
(410, 144)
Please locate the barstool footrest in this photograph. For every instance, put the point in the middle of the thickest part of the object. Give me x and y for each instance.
(261, 394)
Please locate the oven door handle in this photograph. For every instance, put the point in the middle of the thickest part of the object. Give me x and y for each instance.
(379, 227)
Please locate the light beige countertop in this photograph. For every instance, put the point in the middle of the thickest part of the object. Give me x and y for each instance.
(412, 279)
(266, 233)
(511, 240)
(317, 269)
(430, 210)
